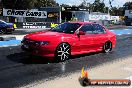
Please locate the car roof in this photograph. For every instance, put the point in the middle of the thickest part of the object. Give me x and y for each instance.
(2, 21)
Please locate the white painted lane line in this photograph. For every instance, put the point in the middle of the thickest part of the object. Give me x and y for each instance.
(119, 34)
(9, 45)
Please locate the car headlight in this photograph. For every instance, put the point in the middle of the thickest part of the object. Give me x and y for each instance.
(22, 40)
(44, 42)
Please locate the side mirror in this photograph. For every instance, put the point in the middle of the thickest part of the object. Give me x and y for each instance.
(81, 33)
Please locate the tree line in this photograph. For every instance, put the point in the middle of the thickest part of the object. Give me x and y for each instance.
(97, 6)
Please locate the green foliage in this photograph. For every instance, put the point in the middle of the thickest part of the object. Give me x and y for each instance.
(98, 6)
(27, 4)
(128, 5)
(117, 11)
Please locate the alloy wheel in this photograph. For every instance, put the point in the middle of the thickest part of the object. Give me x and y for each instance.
(63, 52)
(107, 47)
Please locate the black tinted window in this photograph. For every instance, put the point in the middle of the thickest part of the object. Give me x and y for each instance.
(98, 28)
(87, 28)
(67, 28)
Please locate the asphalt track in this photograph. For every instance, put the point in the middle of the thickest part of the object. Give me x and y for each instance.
(18, 69)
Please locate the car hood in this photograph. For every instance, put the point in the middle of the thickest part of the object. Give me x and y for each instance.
(46, 36)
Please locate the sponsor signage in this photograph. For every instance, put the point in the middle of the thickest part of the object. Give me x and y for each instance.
(86, 81)
(25, 13)
(115, 18)
(34, 25)
(53, 15)
(99, 17)
(73, 9)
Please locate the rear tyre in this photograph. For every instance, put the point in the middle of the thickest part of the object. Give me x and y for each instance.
(107, 47)
(63, 52)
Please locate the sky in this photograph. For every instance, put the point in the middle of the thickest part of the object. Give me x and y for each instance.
(77, 2)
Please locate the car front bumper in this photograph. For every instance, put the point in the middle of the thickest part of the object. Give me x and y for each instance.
(43, 51)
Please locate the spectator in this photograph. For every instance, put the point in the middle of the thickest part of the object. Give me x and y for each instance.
(73, 18)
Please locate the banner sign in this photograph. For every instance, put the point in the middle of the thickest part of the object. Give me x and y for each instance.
(53, 15)
(115, 18)
(74, 9)
(25, 13)
(36, 25)
(99, 17)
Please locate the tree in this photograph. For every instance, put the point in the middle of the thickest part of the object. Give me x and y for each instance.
(83, 4)
(117, 11)
(127, 5)
(98, 6)
(27, 4)
(45, 3)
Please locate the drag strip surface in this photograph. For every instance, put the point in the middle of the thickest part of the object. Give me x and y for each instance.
(18, 69)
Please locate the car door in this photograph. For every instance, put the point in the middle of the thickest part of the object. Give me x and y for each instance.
(99, 36)
(86, 41)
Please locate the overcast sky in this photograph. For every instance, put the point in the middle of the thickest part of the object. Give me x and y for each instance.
(76, 2)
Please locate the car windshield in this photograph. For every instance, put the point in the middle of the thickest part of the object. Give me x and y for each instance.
(69, 28)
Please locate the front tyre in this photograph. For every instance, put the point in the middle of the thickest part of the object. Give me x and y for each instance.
(63, 52)
(2, 31)
(107, 47)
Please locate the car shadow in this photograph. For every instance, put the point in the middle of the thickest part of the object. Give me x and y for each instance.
(25, 58)
(84, 55)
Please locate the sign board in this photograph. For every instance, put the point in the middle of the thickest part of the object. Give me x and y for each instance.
(35, 25)
(53, 15)
(99, 17)
(25, 13)
(73, 9)
(115, 18)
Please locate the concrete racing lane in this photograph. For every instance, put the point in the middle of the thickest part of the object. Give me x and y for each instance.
(18, 69)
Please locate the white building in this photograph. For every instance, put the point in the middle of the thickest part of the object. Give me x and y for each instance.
(128, 13)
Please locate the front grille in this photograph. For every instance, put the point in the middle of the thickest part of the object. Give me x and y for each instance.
(30, 42)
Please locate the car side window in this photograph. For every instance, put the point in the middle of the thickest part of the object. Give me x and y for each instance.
(98, 29)
(88, 29)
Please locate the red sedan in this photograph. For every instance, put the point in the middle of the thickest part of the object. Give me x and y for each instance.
(70, 38)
